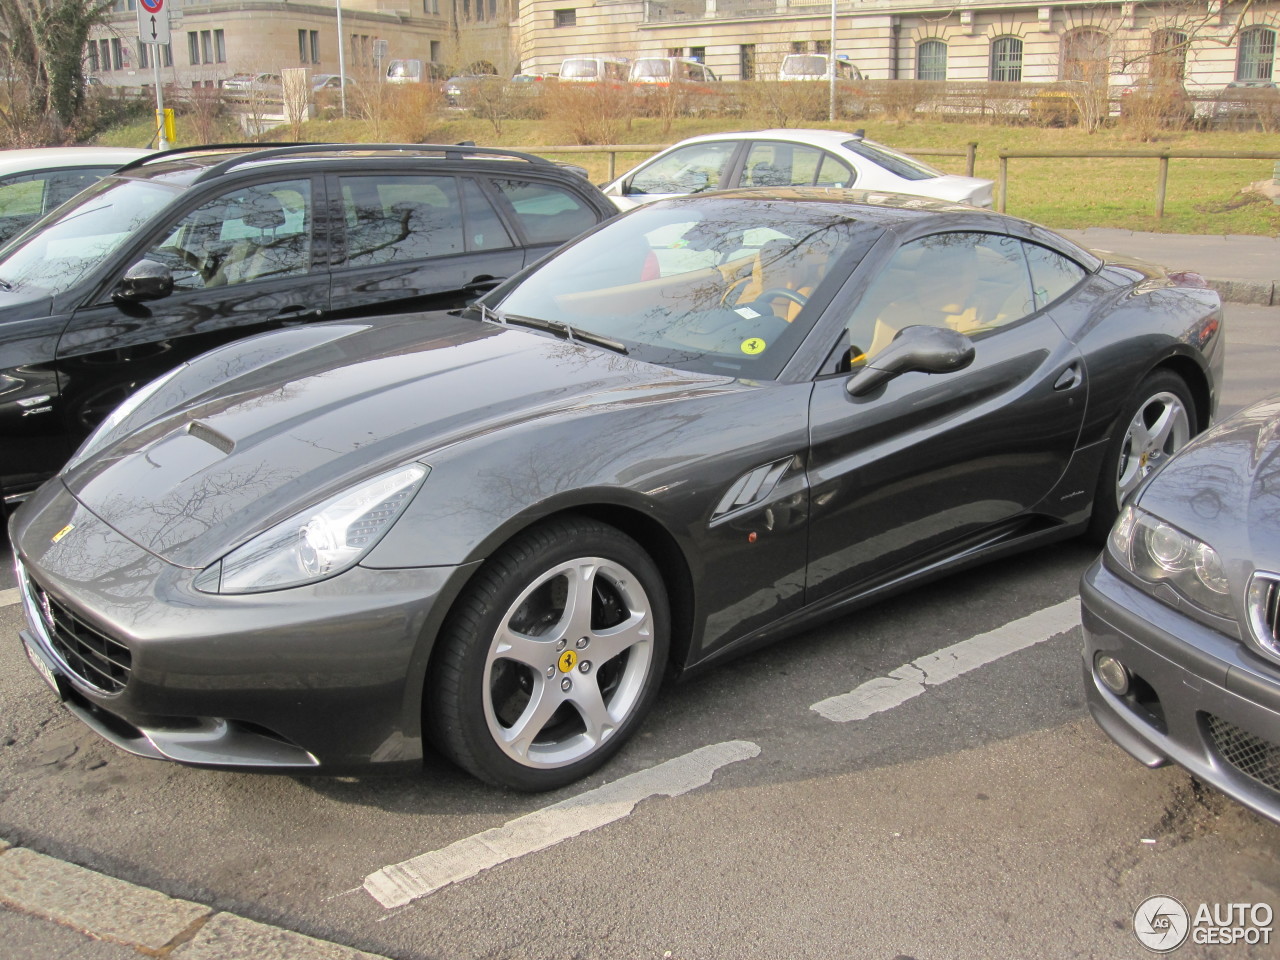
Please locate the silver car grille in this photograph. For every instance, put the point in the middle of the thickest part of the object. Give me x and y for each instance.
(1264, 611)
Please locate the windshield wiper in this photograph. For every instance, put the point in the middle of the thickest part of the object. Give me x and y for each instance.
(564, 331)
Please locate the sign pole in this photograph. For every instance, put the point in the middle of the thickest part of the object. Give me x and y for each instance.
(153, 30)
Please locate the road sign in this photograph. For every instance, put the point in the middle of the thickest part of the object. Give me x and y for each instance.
(153, 21)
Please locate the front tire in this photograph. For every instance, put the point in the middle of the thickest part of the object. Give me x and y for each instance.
(552, 656)
(1158, 420)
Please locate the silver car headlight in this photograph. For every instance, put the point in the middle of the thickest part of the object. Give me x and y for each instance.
(320, 542)
(1158, 552)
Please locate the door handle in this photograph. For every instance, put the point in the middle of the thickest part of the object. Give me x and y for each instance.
(1070, 378)
(481, 284)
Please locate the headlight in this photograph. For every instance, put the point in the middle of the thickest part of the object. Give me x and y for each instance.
(1158, 552)
(317, 543)
(101, 435)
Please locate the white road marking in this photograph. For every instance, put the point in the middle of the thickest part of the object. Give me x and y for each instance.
(8, 598)
(400, 883)
(912, 679)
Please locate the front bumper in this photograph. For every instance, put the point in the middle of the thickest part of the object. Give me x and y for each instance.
(327, 677)
(1201, 699)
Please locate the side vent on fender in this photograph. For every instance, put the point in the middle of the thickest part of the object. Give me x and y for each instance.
(751, 488)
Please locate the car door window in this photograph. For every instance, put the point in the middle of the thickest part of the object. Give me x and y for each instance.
(546, 213)
(484, 227)
(691, 169)
(773, 164)
(27, 197)
(834, 172)
(249, 233)
(1052, 274)
(395, 219)
(969, 282)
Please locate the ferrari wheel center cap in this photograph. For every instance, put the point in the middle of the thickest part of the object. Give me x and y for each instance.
(568, 660)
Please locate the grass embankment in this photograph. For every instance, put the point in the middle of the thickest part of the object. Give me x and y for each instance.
(1203, 196)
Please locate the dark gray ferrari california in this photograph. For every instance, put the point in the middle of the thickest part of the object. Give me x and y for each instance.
(699, 427)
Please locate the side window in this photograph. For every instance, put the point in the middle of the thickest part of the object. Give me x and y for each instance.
(250, 233)
(970, 282)
(834, 172)
(396, 219)
(690, 169)
(484, 227)
(772, 164)
(1052, 274)
(546, 213)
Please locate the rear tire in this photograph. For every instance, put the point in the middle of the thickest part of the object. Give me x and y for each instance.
(1157, 421)
(552, 656)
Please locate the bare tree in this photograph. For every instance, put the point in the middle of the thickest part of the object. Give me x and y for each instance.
(42, 52)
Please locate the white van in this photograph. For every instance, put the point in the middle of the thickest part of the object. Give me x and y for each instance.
(610, 70)
(814, 66)
(414, 71)
(666, 70)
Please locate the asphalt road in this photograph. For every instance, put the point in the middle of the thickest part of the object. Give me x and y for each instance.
(981, 817)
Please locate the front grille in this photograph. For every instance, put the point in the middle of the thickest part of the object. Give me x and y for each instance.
(1264, 611)
(1247, 752)
(95, 658)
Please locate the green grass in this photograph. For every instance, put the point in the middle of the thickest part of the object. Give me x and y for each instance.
(1203, 196)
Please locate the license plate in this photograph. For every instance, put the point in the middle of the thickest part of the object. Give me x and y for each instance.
(43, 669)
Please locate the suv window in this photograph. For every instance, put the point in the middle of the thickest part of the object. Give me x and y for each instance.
(396, 218)
(249, 233)
(547, 213)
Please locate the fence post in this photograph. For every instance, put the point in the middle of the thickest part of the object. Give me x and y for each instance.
(971, 158)
(613, 164)
(1002, 184)
(1162, 183)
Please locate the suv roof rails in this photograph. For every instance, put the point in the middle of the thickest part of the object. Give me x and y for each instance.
(257, 151)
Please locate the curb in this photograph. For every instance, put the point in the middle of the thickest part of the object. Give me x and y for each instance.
(1259, 292)
(104, 908)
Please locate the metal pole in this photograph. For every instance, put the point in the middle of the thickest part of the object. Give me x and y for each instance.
(1162, 184)
(831, 67)
(162, 142)
(342, 63)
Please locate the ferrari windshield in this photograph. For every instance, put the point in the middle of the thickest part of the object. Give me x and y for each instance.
(717, 285)
(80, 234)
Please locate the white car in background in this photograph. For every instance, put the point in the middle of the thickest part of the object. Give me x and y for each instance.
(33, 182)
(774, 158)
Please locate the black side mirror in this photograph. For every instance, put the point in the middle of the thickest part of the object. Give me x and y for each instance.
(145, 280)
(915, 349)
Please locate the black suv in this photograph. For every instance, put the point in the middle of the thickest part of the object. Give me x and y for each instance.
(187, 249)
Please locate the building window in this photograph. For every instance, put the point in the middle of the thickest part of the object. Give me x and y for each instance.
(206, 46)
(144, 61)
(931, 60)
(302, 46)
(1257, 54)
(93, 56)
(315, 46)
(566, 18)
(435, 51)
(1006, 60)
(117, 54)
(698, 53)
(220, 45)
(1086, 55)
(675, 51)
(747, 61)
(193, 48)
(822, 46)
(104, 53)
(1168, 56)
(309, 46)
(799, 46)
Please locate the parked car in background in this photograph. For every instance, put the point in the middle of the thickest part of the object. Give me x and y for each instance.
(816, 66)
(415, 71)
(710, 422)
(185, 250)
(1249, 104)
(330, 81)
(664, 71)
(266, 86)
(461, 91)
(1181, 613)
(34, 182)
(772, 158)
(609, 70)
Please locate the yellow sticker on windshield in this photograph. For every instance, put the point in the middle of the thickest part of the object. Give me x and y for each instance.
(753, 346)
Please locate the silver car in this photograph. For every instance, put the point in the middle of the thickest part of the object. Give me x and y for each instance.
(782, 158)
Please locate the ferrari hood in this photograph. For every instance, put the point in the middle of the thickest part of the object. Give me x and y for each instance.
(254, 444)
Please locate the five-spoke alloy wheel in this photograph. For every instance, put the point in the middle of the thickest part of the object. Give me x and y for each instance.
(552, 657)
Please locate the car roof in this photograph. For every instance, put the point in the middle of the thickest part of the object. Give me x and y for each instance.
(188, 165)
(44, 158)
(821, 138)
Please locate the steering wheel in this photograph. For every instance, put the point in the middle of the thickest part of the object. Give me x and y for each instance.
(774, 293)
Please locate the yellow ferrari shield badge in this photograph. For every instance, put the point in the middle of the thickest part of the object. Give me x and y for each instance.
(568, 660)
